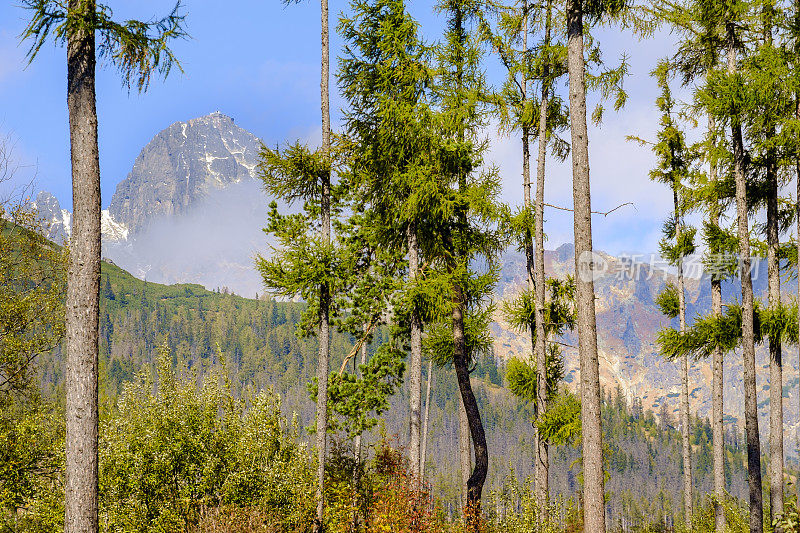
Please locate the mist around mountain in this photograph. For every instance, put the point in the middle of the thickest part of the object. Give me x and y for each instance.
(190, 211)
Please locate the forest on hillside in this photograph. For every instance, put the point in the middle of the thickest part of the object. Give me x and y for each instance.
(361, 392)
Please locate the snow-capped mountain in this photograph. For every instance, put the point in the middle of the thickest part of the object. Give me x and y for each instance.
(190, 210)
(181, 167)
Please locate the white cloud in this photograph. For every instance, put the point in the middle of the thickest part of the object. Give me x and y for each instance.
(619, 173)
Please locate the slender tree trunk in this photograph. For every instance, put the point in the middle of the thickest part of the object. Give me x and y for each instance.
(717, 378)
(797, 199)
(324, 293)
(464, 449)
(357, 444)
(423, 454)
(776, 365)
(83, 284)
(775, 360)
(540, 346)
(478, 477)
(774, 281)
(688, 491)
(748, 337)
(460, 355)
(594, 515)
(415, 366)
(530, 262)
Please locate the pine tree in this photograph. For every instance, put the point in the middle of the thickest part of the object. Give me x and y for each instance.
(138, 49)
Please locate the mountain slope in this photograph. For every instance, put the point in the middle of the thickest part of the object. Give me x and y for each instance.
(180, 167)
(627, 323)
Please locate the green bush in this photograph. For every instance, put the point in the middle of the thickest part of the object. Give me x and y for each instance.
(31, 467)
(172, 449)
(513, 509)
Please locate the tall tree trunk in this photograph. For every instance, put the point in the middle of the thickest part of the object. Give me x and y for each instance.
(424, 453)
(688, 492)
(415, 366)
(748, 337)
(357, 441)
(461, 363)
(530, 262)
(594, 514)
(774, 281)
(717, 376)
(83, 284)
(460, 355)
(324, 293)
(775, 359)
(540, 347)
(797, 199)
(464, 449)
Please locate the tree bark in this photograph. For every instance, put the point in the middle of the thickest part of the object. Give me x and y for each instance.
(464, 449)
(797, 199)
(774, 282)
(530, 262)
(357, 442)
(324, 293)
(748, 338)
(775, 359)
(83, 284)
(415, 364)
(688, 491)
(593, 498)
(717, 376)
(540, 348)
(423, 454)
(478, 477)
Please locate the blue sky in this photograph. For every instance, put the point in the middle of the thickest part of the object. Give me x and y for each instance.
(258, 62)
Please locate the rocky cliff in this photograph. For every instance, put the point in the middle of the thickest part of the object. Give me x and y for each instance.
(181, 167)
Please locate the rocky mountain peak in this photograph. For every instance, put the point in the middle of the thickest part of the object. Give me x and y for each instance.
(180, 166)
(56, 222)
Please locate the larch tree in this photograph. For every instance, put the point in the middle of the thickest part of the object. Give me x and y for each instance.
(384, 75)
(466, 231)
(323, 362)
(722, 99)
(305, 262)
(518, 111)
(748, 338)
(674, 162)
(460, 91)
(594, 515)
(137, 49)
(699, 50)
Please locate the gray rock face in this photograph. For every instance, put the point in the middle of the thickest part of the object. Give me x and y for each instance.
(55, 222)
(180, 167)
